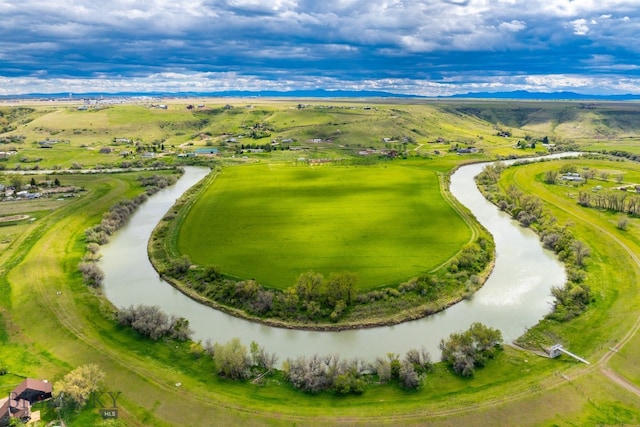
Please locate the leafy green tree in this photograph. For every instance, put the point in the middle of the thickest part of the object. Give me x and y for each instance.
(232, 359)
(341, 287)
(180, 266)
(309, 286)
(349, 382)
(76, 387)
(211, 273)
(16, 182)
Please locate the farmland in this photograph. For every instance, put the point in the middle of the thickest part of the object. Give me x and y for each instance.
(273, 223)
(75, 327)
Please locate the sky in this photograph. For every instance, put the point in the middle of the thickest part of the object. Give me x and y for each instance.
(428, 47)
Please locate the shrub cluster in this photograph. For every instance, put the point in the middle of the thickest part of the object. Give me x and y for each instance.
(316, 374)
(152, 322)
(233, 361)
(92, 275)
(471, 349)
(154, 183)
(314, 298)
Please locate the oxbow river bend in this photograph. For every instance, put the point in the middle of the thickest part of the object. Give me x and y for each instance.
(515, 297)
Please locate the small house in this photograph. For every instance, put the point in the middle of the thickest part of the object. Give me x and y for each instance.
(18, 404)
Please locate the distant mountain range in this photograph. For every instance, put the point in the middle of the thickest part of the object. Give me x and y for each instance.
(323, 93)
(557, 96)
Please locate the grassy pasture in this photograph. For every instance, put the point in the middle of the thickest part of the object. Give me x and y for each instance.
(272, 222)
(350, 125)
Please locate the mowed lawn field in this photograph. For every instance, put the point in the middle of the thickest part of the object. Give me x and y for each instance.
(271, 222)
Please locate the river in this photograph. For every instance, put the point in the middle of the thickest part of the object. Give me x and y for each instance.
(515, 297)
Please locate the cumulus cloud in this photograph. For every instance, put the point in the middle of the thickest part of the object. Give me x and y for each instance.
(513, 26)
(406, 41)
(580, 27)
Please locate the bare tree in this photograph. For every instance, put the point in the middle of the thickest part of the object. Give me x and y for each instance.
(551, 176)
(408, 376)
(589, 174)
(623, 222)
(580, 252)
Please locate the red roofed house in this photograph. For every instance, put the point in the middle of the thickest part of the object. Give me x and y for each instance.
(18, 403)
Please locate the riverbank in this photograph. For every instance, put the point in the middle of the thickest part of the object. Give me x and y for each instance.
(420, 297)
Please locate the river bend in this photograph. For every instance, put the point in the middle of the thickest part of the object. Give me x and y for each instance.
(515, 297)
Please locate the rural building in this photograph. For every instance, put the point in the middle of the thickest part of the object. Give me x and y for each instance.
(207, 151)
(572, 176)
(466, 150)
(18, 404)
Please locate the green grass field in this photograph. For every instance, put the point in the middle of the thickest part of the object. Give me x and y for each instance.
(272, 222)
(43, 334)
